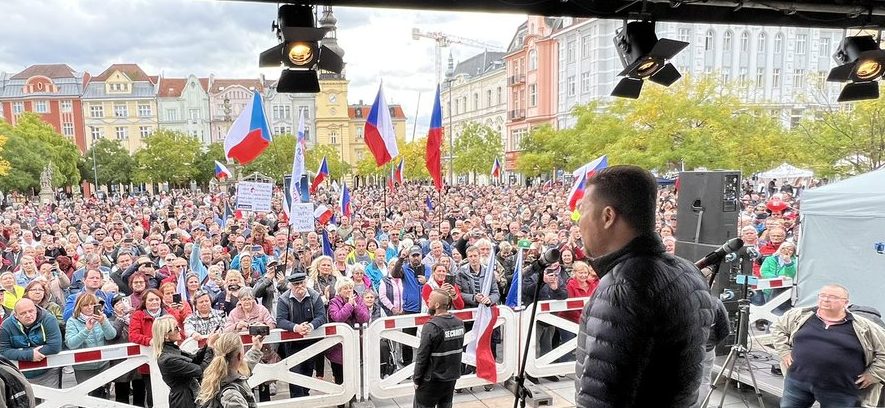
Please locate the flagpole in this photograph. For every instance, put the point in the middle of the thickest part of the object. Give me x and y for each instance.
(384, 186)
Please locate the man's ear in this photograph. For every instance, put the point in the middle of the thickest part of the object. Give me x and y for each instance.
(609, 216)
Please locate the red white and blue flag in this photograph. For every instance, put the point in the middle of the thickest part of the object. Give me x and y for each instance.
(390, 178)
(480, 349)
(400, 171)
(322, 173)
(249, 135)
(379, 132)
(297, 169)
(221, 171)
(583, 174)
(322, 214)
(496, 168)
(344, 201)
(434, 144)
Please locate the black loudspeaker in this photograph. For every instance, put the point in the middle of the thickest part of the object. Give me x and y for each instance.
(707, 206)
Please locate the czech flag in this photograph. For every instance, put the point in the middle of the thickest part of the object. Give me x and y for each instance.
(583, 174)
(390, 178)
(496, 168)
(221, 171)
(327, 245)
(434, 144)
(379, 132)
(480, 349)
(514, 295)
(249, 135)
(344, 201)
(429, 204)
(322, 173)
(400, 170)
(322, 214)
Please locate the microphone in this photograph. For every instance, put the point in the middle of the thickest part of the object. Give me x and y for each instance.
(716, 256)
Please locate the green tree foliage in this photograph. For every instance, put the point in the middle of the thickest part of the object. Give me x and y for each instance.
(31, 145)
(367, 167)
(276, 161)
(544, 149)
(4, 165)
(168, 156)
(476, 149)
(112, 162)
(415, 153)
(337, 167)
(206, 162)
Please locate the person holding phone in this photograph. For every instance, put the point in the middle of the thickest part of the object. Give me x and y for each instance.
(441, 279)
(205, 320)
(89, 327)
(346, 307)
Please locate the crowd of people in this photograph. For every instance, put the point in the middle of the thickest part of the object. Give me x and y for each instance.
(173, 270)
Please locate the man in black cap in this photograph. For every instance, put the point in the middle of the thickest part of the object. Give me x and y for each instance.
(299, 309)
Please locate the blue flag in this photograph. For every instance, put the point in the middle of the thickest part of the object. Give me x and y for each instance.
(327, 246)
(514, 295)
(228, 214)
(429, 204)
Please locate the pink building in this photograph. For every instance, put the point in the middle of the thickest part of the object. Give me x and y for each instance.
(532, 66)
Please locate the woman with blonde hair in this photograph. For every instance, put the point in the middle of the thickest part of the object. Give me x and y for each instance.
(323, 276)
(225, 380)
(89, 327)
(180, 371)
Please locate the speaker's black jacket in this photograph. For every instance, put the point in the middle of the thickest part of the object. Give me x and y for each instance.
(642, 334)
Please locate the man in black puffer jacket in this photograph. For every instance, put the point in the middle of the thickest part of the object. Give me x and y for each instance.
(642, 335)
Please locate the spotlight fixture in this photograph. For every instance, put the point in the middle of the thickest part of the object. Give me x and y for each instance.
(644, 56)
(862, 62)
(300, 52)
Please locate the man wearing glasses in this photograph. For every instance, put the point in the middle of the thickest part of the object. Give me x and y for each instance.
(829, 354)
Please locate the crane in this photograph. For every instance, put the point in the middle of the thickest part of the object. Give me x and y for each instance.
(444, 40)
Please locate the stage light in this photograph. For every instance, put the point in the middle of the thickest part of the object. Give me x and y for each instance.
(861, 64)
(644, 56)
(300, 51)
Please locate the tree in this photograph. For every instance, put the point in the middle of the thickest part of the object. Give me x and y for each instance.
(168, 156)
(31, 145)
(544, 149)
(337, 167)
(4, 165)
(112, 162)
(476, 149)
(206, 162)
(276, 161)
(367, 167)
(415, 154)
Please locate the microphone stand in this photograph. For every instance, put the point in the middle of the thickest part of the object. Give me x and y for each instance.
(521, 392)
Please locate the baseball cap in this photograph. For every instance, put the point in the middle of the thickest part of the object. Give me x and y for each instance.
(415, 250)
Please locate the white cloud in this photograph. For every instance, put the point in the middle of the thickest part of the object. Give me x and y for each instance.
(180, 37)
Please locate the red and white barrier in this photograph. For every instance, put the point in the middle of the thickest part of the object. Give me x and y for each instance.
(545, 365)
(390, 328)
(766, 312)
(774, 283)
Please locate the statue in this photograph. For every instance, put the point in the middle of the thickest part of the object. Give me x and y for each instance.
(47, 193)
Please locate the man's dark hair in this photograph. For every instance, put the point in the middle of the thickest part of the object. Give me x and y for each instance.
(631, 190)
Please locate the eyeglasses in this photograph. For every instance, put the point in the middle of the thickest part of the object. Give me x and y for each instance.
(830, 297)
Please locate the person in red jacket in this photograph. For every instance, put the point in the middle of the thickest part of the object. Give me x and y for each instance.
(140, 326)
(438, 281)
(776, 236)
(582, 284)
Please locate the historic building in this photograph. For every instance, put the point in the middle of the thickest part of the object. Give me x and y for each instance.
(356, 150)
(121, 103)
(475, 90)
(184, 106)
(227, 98)
(284, 111)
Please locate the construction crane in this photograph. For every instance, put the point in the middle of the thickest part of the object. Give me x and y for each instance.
(444, 40)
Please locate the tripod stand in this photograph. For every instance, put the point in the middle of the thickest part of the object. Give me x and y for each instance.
(738, 351)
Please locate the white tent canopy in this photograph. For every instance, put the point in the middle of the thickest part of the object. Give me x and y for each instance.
(840, 224)
(785, 172)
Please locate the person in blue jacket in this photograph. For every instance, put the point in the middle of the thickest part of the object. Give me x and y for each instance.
(31, 335)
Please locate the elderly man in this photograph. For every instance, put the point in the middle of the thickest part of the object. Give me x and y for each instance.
(300, 310)
(829, 354)
(92, 262)
(31, 335)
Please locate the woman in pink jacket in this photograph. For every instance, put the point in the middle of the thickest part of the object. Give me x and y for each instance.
(345, 307)
(247, 313)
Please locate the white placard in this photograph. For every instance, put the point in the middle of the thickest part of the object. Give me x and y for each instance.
(302, 217)
(254, 196)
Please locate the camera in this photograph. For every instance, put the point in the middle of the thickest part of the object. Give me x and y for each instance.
(879, 247)
(259, 330)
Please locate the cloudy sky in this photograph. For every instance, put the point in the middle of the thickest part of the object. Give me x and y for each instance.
(179, 37)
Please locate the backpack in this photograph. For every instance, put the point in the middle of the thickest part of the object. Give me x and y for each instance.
(216, 401)
(17, 392)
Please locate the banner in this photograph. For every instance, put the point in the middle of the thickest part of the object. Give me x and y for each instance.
(254, 196)
(302, 219)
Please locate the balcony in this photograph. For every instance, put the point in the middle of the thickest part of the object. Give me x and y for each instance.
(516, 80)
(517, 114)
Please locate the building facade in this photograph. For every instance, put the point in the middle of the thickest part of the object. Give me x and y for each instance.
(475, 91)
(532, 72)
(52, 91)
(284, 112)
(357, 149)
(782, 69)
(121, 103)
(227, 98)
(332, 120)
(183, 106)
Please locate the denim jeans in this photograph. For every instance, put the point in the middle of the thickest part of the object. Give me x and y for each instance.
(799, 394)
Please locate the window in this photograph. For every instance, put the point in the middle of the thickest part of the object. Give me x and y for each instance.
(798, 79)
(145, 131)
(516, 137)
(303, 110)
(586, 47)
(359, 132)
(307, 133)
(96, 111)
(96, 132)
(533, 95)
(499, 95)
(778, 43)
(195, 114)
(475, 101)
(745, 41)
(585, 82)
(282, 112)
(144, 110)
(489, 97)
(172, 115)
(684, 34)
(333, 136)
(533, 60)
(776, 78)
(825, 47)
(742, 75)
(801, 44)
(41, 107)
(570, 85)
(18, 108)
(121, 111)
(122, 132)
(726, 40)
(570, 52)
(726, 75)
(708, 41)
(67, 106)
(67, 129)
(760, 76)
(760, 43)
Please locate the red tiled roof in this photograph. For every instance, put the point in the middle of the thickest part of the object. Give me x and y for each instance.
(47, 70)
(133, 71)
(204, 82)
(171, 87)
(396, 114)
(219, 84)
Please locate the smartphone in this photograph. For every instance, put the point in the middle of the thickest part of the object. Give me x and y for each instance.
(176, 298)
(97, 309)
(259, 330)
(450, 279)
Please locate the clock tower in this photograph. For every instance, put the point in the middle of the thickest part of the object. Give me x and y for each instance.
(332, 119)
